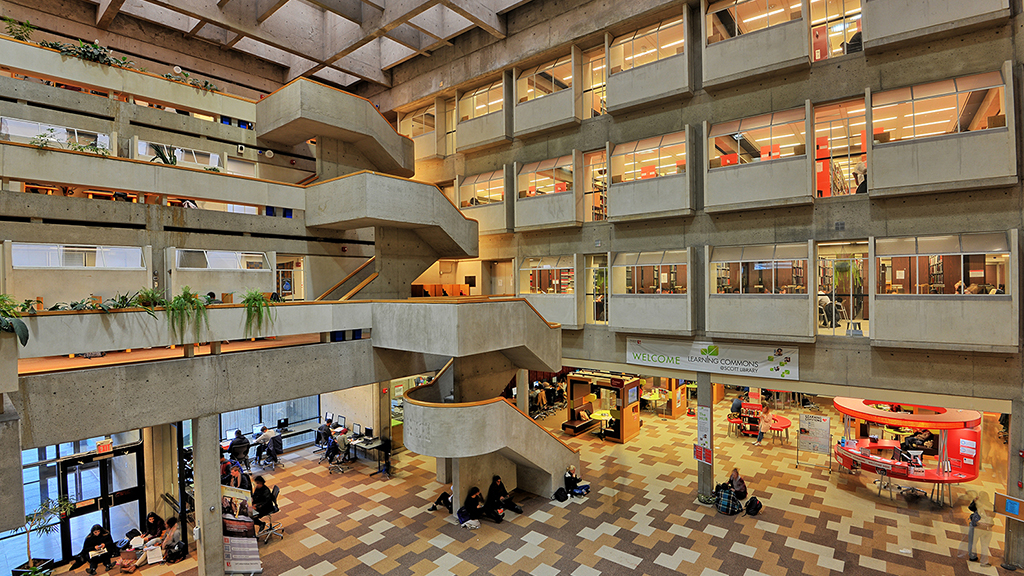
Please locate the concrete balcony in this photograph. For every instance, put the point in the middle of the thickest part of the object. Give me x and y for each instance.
(561, 308)
(983, 159)
(544, 211)
(493, 218)
(892, 23)
(426, 146)
(666, 79)
(773, 50)
(765, 184)
(662, 197)
(305, 109)
(923, 321)
(650, 314)
(483, 132)
(545, 114)
(774, 317)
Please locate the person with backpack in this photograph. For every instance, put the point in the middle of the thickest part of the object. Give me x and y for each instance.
(472, 509)
(573, 483)
(738, 485)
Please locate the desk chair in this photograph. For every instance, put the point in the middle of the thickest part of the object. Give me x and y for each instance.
(822, 319)
(272, 529)
(320, 442)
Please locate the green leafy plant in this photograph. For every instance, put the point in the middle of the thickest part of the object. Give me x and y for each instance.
(79, 306)
(212, 169)
(164, 154)
(19, 30)
(59, 46)
(29, 306)
(258, 313)
(42, 521)
(45, 139)
(185, 310)
(9, 318)
(150, 298)
(91, 148)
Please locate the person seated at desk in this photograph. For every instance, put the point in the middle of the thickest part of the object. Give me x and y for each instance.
(239, 448)
(262, 502)
(922, 440)
(225, 465)
(498, 497)
(237, 479)
(269, 442)
(324, 431)
(829, 308)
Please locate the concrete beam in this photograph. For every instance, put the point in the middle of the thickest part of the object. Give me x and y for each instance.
(106, 11)
(266, 8)
(351, 10)
(480, 15)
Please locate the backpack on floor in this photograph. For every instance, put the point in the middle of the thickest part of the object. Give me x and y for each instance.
(561, 495)
(177, 552)
(462, 515)
(753, 506)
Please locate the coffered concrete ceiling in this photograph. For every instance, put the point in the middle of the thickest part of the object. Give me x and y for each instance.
(342, 41)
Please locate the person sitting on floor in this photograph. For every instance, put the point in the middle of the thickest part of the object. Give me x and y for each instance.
(171, 537)
(738, 485)
(573, 483)
(155, 526)
(498, 497)
(98, 547)
(443, 499)
(474, 504)
(727, 502)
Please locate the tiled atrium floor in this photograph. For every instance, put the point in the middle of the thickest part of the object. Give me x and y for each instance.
(642, 517)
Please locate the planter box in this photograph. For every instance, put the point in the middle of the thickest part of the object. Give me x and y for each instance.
(44, 563)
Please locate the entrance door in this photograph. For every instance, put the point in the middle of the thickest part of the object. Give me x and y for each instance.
(501, 278)
(842, 295)
(107, 489)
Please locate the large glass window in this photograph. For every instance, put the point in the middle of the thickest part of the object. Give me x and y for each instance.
(222, 260)
(545, 79)
(731, 18)
(835, 28)
(649, 272)
(482, 101)
(945, 107)
(595, 78)
(595, 182)
(550, 176)
(760, 138)
(649, 158)
(953, 264)
(186, 156)
(27, 131)
(487, 188)
(449, 126)
(300, 411)
(765, 269)
(596, 271)
(548, 275)
(839, 148)
(26, 255)
(843, 288)
(418, 123)
(648, 45)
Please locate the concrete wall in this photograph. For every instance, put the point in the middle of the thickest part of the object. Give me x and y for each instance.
(774, 317)
(492, 217)
(650, 313)
(959, 161)
(782, 47)
(660, 197)
(549, 112)
(561, 308)
(12, 484)
(481, 132)
(55, 285)
(781, 182)
(951, 322)
(890, 23)
(426, 146)
(359, 405)
(549, 210)
(651, 83)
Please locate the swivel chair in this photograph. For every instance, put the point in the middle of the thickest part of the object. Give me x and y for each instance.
(272, 529)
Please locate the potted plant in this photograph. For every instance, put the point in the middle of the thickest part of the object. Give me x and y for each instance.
(184, 310)
(41, 521)
(258, 314)
(9, 318)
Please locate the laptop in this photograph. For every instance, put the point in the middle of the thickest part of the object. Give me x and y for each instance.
(231, 434)
(257, 429)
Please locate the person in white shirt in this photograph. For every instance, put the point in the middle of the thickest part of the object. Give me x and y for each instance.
(263, 441)
(830, 310)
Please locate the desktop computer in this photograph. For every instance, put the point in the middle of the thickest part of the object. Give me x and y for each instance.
(231, 434)
(369, 433)
(357, 430)
(282, 425)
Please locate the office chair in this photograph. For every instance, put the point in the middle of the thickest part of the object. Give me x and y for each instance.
(272, 529)
(320, 442)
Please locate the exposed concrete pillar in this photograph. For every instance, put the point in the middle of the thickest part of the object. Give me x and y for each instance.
(190, 350)
(444, 470)
(12, 485)
(215, 348)
(402, 256)
(706, 472)
(159, 450)
(206, 452)
(523, 390)
(1014, 535)
(8, 363)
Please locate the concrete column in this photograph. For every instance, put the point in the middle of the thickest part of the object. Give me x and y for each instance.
(12, 485)
(523, 391)
(190, 350)
(206, 450)
(1014, 535)
(706, 472)
(444, 470)
(159, 450)
(215, 347)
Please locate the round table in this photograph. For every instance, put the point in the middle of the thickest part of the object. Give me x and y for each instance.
(604, 416)
(654, 397)
(780, 424)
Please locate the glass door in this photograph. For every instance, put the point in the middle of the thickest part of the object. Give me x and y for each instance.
(842, 298)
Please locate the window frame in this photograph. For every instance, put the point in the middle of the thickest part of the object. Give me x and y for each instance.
(473, 96)
(554, 264)
(222, 256)
(771, 122)
(631, 38)
(524, 79)
(757, 254)
(999, 246)
(479, 180)
(654, 143)
(56, 256)
(530, 171)
(663, 261)
(734, 7)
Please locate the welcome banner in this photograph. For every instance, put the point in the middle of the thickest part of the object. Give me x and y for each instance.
(779, 363)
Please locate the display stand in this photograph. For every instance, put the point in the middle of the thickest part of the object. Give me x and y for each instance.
(814, 436)
(750, 419)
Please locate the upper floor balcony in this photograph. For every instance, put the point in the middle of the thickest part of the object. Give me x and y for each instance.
(745, 39)
(649, 65)
(484, 115)
(548, 96)
(548, 195)
(892, 23)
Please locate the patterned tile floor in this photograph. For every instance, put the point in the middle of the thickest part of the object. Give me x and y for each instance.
(641, 517)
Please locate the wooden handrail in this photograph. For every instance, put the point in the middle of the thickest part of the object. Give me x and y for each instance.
(409, 398)
(345, 279)
(309, 178)
(359, 287)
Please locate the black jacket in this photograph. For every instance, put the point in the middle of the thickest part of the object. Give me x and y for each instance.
(91, 542)
(495, 494)
(262, 500)
(239, 448)
(243, 481)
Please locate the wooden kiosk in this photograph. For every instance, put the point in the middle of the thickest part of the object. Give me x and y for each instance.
(621, 395)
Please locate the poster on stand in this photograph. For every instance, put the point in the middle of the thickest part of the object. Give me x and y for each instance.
(702, 449)
(814, 434)
(241, 553)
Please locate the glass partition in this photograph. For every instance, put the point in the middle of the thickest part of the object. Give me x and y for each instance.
(29, 132)
(595, 77)
(545, 79)
(550, 176)
(955, 264)
(764, 269)
(842, 307)
(595, 186)
(835, 28)
(731, 18)
(596, 271)
(148, 151)
(487, 188)
(649, 272)
(482, 101)
(648, 45)
(839, 148)
(757, 139)
(953, 106)
(418, 123)
(548, 275)
(221, 260)
(26, 255)
(649, 158)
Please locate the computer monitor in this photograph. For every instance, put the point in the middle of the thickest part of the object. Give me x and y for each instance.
(357, 429)
(329, 416)
(341, 421)
(369, 432)
(282, 423)
(257, 429)
(231, 433)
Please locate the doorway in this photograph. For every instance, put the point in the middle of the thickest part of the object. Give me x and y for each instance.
(502, 281)
(107, 489)
(291, 280)
(842, 289)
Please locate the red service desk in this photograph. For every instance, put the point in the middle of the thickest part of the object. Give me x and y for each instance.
(851, 453)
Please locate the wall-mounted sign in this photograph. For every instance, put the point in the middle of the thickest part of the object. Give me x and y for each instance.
(780, 363)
